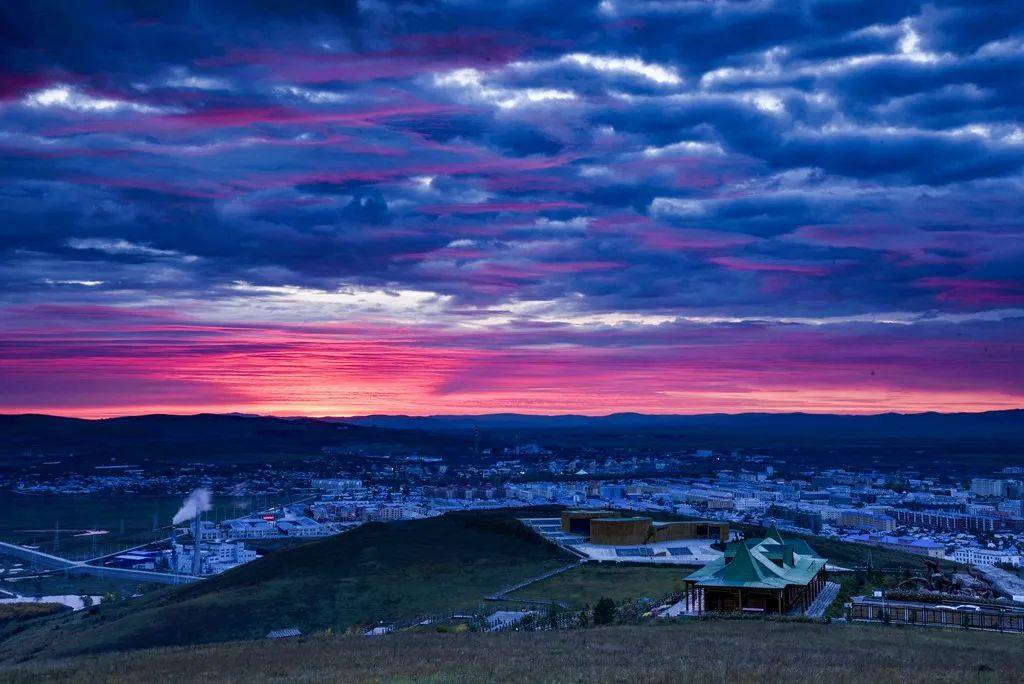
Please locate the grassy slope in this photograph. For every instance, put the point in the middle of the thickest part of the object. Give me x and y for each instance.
(697, 651)
(586, 584)
(377, 572)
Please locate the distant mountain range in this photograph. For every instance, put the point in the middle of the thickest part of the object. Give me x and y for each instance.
(1007, 424)
(213, 437)
(202, 437)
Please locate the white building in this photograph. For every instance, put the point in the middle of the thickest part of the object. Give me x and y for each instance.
(337, 484)
(215, 557)
(301, 526)
(981, 486)
(386, 513)
(249, 528)
(973, 555)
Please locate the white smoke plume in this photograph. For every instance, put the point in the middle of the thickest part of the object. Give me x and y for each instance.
(197, 502)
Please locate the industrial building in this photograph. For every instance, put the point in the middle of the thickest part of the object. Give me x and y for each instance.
(770, 575)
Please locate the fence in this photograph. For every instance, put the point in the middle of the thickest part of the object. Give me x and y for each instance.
(936, 616)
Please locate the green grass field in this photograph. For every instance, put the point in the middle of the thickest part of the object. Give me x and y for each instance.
(377, 572)
(733, 651)
(584, 585)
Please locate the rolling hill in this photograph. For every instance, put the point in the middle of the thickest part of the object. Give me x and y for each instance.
(205, 437)
(379, 571)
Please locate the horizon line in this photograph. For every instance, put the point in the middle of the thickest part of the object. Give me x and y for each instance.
(328, 416)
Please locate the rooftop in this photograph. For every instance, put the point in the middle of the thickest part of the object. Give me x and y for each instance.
(769, 563)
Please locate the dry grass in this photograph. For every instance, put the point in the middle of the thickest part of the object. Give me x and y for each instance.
(10, 612)
(705, 651)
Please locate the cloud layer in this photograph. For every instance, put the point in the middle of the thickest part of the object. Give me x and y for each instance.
(396, 206)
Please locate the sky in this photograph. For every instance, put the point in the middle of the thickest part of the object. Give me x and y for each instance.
(677, 206)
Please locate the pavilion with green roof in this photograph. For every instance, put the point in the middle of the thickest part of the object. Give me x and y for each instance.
(770, 575)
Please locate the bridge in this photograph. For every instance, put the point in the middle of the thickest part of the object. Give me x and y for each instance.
(41, 559)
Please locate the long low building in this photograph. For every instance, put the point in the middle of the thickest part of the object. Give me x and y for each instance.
(612, 529)
(921, 547)
(974, 555)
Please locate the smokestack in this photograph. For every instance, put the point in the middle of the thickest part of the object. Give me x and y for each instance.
(192, 509)
(197, 537)
(174, 550)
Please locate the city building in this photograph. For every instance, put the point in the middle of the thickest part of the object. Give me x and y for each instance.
(301, 526)
(336, 485)
(770, 575)
(866, 520)
(805, 519)
(974, 555)
(388, 513)
(982, 486)
(921, 547)
(952, 522)
(613, 492)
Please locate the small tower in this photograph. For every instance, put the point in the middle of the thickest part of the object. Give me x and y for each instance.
(197, 546)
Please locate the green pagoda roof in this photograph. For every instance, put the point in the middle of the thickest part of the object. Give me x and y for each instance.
(769, 563)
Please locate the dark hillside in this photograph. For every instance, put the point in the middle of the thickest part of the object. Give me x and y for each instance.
(202, 437)
(377, 572)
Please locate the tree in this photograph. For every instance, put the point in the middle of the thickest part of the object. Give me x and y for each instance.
(604, 612)
(551, 619)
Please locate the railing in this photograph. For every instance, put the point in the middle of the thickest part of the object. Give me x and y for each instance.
(889, 612)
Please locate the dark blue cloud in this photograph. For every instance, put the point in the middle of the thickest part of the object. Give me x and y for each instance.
(770, 158)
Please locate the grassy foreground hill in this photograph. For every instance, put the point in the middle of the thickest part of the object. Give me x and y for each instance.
(379, 571)
(735, 651)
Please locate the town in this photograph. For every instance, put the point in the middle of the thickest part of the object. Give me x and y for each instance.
(975, 522)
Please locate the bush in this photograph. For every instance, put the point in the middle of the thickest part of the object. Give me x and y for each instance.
(604, 612)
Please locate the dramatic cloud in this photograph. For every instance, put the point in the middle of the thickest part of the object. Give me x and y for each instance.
(334, 207)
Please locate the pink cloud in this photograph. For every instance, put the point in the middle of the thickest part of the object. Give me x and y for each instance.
(970, 292)
(497, 207)
(105, 361)
(744, 264)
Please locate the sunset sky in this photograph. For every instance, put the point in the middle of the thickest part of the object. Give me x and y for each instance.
(332, 208)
